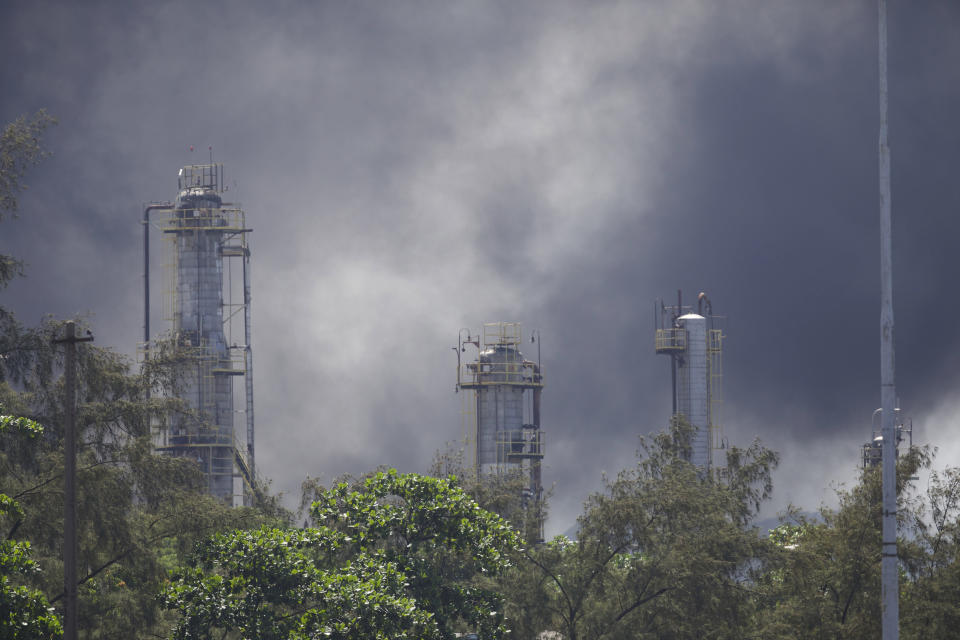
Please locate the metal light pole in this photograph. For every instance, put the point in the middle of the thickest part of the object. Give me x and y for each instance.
(890, 606)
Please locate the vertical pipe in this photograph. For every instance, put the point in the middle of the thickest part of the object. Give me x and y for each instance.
(476, 420)
(146, 277)
(166, 206)
(535, 477)
(673, 381)
(146, 274)
(889, 577)
(673, 358)
(248, 354)
(536, 467)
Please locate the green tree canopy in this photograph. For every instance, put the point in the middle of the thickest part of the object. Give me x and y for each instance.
(394, 557)
(20, 148)
(665, 551)
(139, 514)
(25, 613)
(504, 492)
(823, 581)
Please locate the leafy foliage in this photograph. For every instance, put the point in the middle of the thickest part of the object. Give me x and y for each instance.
(505, 493)
(390, 558)
(663, 552)
(20, 147)
(932, 591)
(823, 579)
(24, 611)
(139, 513)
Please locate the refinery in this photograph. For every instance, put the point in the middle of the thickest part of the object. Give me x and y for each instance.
(474, 179)
(206, 304)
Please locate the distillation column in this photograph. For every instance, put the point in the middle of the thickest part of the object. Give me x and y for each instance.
(694, 346)
(506, 434)
(204, 232)
(198, 326)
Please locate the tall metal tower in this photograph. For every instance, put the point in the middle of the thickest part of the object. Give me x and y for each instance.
(502, 406)
(694, 343)
(208, 305)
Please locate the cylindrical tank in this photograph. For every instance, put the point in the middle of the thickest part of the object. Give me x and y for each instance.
(693, 400)
(499, 404)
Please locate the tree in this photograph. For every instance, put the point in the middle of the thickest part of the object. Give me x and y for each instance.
(24, 611)
(665, 551)
(394, 557)
(20, 147)
(140, 514)
(505, 493)
(823, 579)
(932, 590)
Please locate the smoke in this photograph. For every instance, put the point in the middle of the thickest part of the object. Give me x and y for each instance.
(413, 168)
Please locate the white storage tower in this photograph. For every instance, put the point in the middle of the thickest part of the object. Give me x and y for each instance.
(694, 345)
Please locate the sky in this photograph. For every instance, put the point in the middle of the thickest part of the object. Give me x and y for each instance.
(413, 167)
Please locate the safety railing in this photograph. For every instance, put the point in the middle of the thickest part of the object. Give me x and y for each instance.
(522, 373)
(674, 339)
(224, 219)
(520, 444)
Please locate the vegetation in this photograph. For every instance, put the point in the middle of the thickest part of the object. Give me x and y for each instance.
(506, 493)
(665, 551)
(20, 147)
(823, 580)
(393, 557)
(24, 611)
(139, 513)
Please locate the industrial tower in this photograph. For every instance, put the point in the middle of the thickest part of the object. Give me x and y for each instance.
(695, 345)
(501, 409)
(208, 345)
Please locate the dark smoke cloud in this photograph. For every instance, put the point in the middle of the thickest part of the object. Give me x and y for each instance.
(413, 168)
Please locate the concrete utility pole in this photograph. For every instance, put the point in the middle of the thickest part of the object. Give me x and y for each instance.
(890, 605)
(69, 481)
